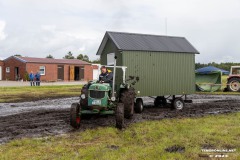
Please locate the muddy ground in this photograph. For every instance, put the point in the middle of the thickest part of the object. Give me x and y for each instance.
(51, 117)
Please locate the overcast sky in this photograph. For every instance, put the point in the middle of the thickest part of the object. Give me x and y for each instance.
(38, 28)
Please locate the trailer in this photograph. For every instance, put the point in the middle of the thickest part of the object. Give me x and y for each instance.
(162, 67)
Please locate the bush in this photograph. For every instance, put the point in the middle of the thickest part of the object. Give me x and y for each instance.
(26, 76)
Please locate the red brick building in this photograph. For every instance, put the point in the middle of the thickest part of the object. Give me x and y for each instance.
(1, 69)
(15, 68)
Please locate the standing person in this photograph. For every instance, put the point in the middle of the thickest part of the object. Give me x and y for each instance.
(37, 76)
(31, 78)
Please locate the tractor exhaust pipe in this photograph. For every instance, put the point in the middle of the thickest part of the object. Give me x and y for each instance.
(113, 98)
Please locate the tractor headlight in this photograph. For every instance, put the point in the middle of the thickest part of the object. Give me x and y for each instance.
(83, 96)
(113, 99)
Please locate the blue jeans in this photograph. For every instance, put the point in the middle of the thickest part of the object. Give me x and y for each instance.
(32, 83)
(37, 82)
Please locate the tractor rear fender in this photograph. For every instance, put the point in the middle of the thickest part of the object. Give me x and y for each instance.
(233, 76)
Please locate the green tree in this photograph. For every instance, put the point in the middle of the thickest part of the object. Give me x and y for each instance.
(69, 55)
(18, 55)
(80, 57)
(226, 66)
(86, 58)
(49, 56)
(96, 60)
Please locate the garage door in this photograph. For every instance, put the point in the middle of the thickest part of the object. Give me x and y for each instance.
(0, 73)
(95, 74)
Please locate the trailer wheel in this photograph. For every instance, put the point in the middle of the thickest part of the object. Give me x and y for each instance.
(127, 98)
(178, 103)
(138, 108)
(75, 118)
(234, 85)
(160, 100)
(119, 115)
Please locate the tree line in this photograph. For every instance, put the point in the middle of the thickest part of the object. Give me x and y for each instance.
(82, 57)
(226, 66)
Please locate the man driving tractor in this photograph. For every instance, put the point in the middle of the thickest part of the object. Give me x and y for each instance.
(106, 76)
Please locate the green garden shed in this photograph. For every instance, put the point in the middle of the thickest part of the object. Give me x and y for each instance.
(163, 65)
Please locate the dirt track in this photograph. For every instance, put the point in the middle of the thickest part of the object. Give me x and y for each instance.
(51, 117)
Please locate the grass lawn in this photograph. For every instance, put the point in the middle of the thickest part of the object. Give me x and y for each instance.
(146, 140)
(19, 94)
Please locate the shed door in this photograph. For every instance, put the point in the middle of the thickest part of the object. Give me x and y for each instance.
(95, 74)
(60, 72)
(81, 72)
(71, 72)
(0, 73)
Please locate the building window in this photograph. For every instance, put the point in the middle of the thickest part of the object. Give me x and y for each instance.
(42, 70)
(7, 69)
(110, 58)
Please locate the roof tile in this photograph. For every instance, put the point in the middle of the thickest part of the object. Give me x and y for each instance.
(147, 42)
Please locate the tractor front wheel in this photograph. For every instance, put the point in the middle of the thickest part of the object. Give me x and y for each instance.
(119, 115)
(127, 98)
(233, 85)
(75, 118)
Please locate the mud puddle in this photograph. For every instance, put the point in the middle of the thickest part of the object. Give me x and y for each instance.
(7, 109)
(51, 117)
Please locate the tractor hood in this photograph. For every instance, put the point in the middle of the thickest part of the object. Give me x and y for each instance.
(100, 87)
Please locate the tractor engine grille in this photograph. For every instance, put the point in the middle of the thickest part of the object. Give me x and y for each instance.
(97, 94)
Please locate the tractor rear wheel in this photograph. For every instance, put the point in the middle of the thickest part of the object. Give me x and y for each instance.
(75, 118)
(138, 105)
(178, 104)
(119, 115)
(233, 85)
(127, 98)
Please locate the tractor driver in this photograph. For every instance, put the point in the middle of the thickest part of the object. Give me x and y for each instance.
(106, 76)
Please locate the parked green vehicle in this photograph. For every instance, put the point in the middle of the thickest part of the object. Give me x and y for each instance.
(102, 99)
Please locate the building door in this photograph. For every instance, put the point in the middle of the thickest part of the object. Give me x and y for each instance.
(71, 73)
(0, 73)
(81, 73)
(16, 73)
(95, 74)
(60, 72)
(76, 73)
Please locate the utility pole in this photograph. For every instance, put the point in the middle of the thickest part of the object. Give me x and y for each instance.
(166, 25)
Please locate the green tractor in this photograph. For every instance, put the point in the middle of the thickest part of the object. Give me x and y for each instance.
(101, 99)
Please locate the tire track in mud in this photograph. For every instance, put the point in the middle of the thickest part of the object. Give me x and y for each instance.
(45, 122)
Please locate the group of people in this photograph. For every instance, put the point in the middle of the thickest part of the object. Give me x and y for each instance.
(34, 79)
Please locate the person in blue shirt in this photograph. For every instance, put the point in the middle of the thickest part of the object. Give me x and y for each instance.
(37, 76)
(31, 78)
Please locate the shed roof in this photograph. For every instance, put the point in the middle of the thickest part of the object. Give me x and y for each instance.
(49, 60)
(147, 42)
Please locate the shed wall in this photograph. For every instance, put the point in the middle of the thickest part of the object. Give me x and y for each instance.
(111, 48)
(161, 73)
